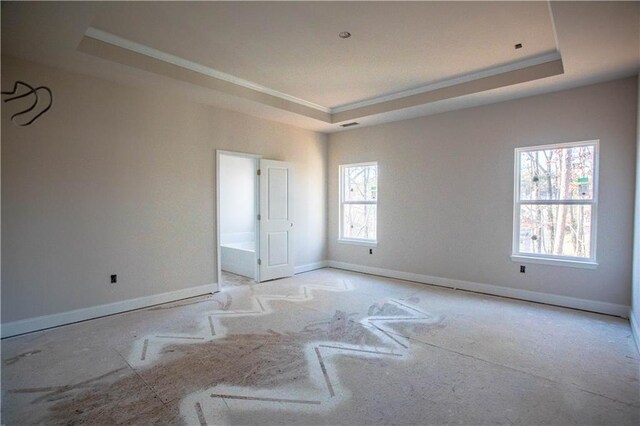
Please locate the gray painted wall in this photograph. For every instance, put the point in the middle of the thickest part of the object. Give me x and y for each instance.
(635, 303)
(446, 190)
(116, 179)
(119, 180)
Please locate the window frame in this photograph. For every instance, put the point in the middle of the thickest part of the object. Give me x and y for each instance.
(342, 202)
(549, 259)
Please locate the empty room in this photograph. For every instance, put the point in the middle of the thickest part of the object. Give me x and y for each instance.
(320, 213)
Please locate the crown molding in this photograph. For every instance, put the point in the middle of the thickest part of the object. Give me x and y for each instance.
(540, 66)
(193, 66)
(489, 72)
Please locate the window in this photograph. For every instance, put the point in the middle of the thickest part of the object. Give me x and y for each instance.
(358, 203)
(556, 200)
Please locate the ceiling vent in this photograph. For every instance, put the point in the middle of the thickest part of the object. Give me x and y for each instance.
(353, 123)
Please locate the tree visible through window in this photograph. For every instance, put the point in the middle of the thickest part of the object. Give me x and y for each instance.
(556, 201)
(358, 201)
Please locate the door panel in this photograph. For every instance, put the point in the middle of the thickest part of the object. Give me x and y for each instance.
(278, 191)
(276, 220)
(278, 250)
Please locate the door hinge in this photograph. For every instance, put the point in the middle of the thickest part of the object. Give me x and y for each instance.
(259, 217)
(259, 172)
(259, 261)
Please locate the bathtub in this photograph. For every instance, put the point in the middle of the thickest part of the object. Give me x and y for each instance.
(239, 258)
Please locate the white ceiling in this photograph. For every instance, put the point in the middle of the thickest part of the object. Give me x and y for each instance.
(292, 49)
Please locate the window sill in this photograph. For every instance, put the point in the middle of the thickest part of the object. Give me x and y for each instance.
(358, 242)
(584, 264)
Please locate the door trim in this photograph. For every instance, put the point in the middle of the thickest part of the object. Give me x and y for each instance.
(256, 159)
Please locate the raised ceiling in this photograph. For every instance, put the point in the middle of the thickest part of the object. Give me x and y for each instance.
(294, 48)
(285, 61)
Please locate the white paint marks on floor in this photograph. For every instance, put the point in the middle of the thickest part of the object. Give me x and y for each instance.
(325, 389)
(147, 349)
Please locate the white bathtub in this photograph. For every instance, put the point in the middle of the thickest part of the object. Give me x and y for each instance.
(239, 258)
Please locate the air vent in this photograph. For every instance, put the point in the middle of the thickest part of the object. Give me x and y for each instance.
(353, 123)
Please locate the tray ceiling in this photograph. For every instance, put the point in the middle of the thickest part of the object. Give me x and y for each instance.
(284, 60)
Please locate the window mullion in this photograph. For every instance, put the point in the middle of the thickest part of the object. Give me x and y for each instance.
(368, 202)
(556, 202)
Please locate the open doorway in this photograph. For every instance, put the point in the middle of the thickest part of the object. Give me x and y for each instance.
(237, 219)
(254, 219)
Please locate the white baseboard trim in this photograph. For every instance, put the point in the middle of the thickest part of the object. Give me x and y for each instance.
(311, 267)
(635, 329)
(47, 321)
(531, 296)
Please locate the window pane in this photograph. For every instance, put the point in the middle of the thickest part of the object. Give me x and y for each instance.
(563, 230)
(359, 221)
(557, 174)
(360, 183)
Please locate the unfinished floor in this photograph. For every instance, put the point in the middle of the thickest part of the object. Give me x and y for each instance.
(328, 347)
(232, 280)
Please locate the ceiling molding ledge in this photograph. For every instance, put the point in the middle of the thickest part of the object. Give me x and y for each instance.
(467, 87)
(117, 49)
(511, 66)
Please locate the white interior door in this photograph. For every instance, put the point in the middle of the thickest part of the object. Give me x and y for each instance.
(276, 220)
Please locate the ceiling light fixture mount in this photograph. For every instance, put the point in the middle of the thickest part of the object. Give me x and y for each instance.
(344, 34)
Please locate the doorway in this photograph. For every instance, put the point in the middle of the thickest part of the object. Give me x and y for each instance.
(237, 219)
(254, 219)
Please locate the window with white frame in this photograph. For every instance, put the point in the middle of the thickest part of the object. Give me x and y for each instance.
(555, 203)
(358, 203)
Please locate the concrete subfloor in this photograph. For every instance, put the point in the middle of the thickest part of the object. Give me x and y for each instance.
(229, 279)
(328, 347)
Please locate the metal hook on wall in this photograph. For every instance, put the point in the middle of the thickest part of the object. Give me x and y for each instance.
(31, 91)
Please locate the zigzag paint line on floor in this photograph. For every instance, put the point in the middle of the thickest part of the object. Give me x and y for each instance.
(325, 390)
(147, 349)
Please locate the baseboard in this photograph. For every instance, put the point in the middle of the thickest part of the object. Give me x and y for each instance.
(635, 329)
(531, 296)
(311, 267)
(47, 321)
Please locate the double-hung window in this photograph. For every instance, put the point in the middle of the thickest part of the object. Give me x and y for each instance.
(359, 203)
(555, 204)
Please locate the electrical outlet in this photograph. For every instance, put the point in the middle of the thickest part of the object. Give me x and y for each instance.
(114, 279)
(370, 251)
(522, 267)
